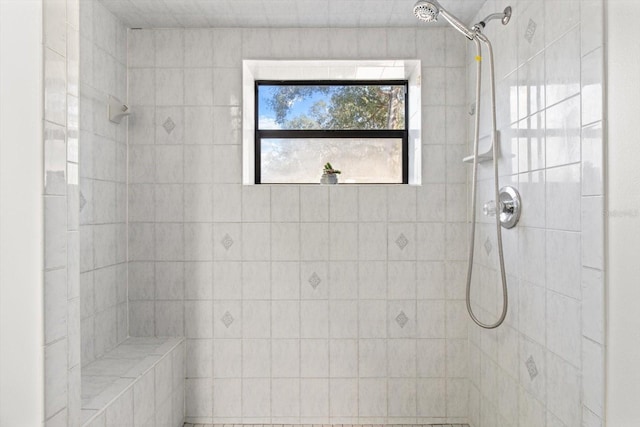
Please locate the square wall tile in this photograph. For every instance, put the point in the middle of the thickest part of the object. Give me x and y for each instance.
(564, 341)
(593, 381)
(226, 360)
(564, 389)
(402, 397)
(227, 396)
(563, 67)
(314, 398)
(256, 398)
(593, 232)
(199, 397)
(285, 359)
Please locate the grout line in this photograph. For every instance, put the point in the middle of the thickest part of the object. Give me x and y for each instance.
(299, 302)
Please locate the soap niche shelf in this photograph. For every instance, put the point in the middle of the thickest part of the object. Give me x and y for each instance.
(116, 110)
(487, 155)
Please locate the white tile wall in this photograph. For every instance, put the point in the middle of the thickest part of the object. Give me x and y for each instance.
(546, 364)
(297, 302)
(61, 274)
(102, 201)
(283, 325)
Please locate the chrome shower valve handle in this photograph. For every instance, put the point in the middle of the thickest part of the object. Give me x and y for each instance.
(489, 208)
(509, 207)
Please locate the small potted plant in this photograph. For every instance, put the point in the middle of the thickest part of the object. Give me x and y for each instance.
(329, 175)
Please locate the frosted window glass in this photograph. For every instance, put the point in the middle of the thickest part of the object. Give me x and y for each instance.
(362, 161)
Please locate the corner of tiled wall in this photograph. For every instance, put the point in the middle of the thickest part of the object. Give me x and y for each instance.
(102, 180)
(61, 275)
(546, 363)
(69, 111)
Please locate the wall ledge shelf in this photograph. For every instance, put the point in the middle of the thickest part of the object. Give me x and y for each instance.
(487, 155)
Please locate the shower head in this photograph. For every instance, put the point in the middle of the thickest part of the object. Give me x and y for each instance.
(426, 11)
(429, 10)
(504, 17)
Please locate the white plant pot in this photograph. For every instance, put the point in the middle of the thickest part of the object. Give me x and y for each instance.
(329, 179)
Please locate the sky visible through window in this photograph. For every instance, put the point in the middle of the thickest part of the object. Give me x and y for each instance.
(267, 114)
(331, 106)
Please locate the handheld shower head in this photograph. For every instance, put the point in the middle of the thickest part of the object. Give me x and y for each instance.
(426, 11)
(429, 10)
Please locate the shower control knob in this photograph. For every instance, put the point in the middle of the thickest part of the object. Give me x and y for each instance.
(489, 208)
(509, 207)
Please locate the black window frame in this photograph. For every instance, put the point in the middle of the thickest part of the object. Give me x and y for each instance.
(332, 133)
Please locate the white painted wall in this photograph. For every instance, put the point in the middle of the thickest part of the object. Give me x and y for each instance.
(21, 237)
(623, 93)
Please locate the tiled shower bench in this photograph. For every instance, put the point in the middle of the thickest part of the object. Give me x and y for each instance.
(140, 382)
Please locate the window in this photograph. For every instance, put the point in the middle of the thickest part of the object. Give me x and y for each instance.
(360, 127)
(336, 73)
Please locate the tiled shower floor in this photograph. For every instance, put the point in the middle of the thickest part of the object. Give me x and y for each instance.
(325, 425)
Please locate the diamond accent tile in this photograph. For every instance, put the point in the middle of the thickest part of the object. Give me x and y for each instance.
(402, 319)
(488, 247)
(169, 125)
(531, 31)
(402, 241)
(315, 280)
(531, 367)
(227, 319)
(227, 241)
(82, 202)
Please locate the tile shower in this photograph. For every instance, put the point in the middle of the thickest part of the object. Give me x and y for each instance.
(318, 305)
(546, 365)
(300, 304)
